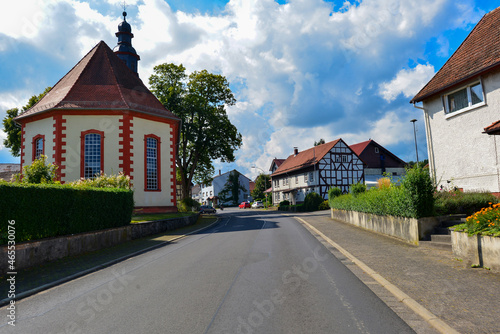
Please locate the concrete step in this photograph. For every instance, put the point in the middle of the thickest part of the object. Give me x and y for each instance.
(441, 238)
(434, 244)
(451, 223)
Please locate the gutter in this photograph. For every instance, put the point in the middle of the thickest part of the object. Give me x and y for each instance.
(430, 147)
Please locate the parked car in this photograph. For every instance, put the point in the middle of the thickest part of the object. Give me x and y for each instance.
(244, 205)
(207, 209)
(257, 204)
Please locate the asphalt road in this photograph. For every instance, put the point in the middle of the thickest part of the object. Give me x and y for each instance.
(254, 272)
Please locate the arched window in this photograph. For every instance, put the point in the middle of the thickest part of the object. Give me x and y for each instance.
(152, 170)
(38, 146)
(92, 155)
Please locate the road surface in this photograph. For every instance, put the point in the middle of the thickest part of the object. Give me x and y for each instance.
(253, 272)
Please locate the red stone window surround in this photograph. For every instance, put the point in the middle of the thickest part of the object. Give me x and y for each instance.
(38, 145)
(91, 153)
(152, 163)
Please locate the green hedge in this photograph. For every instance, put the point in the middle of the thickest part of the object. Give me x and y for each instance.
(454, 202)
(413, 199)
(49, 210)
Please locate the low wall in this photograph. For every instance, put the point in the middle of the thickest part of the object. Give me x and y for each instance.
(410, 230)
(483, 251)
(34, 253)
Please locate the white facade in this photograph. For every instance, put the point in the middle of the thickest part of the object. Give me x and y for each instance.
(294, 188)
(460, 154)
(208, 192)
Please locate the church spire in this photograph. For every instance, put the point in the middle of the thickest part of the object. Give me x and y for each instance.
(124, 48)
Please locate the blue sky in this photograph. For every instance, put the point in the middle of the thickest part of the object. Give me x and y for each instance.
(301, 70)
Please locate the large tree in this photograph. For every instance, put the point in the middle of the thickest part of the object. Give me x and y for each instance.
(262, 183)
(232, 188)
(200, 101)
(12, 129)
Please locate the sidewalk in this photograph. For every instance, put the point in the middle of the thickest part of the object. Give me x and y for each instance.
(36, 279)
(466, 299)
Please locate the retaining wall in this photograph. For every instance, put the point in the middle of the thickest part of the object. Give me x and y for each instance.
(410, 230)
(34, 253)
(483, 251)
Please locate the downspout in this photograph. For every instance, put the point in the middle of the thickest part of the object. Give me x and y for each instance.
(430, 148)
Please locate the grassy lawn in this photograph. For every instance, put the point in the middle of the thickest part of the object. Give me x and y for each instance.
(159, 216)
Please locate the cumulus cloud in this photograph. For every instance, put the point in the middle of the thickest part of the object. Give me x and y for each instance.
(300, 71)
(407, 82)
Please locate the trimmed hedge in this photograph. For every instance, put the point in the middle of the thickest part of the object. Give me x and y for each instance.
(454, 202)
(49, 210)
(413, 199)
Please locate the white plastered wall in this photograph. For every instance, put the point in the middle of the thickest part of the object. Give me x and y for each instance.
(142, 127)
(41, 127)
(75, 125)
(460, 155)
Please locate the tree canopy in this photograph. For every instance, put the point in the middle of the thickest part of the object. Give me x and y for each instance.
(206, 133)
(262, 183)
(12, 129)
(231, 190)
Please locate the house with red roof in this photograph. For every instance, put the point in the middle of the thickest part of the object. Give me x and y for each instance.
(379, 161)
(316, 169)
(461, 106)
(275, 164)
(100, 117)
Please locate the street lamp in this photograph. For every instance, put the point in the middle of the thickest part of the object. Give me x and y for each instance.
(265, 184)
(415, 134)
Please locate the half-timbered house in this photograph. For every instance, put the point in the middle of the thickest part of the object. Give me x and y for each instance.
(317, 169)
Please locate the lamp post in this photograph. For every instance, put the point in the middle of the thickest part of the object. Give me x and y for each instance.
(415, 135)
(265, 205)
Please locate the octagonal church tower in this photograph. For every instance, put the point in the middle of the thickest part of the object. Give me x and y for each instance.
(100, 117)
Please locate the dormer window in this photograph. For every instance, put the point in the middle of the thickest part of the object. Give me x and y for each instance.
(464, 99)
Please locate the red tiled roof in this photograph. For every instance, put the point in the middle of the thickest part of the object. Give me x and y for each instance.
(479, 52)
(493, 129)
(305, 158)
(100, 80)
(372, 159)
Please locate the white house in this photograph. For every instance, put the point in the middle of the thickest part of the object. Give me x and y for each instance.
(100, 117)
(317, 169)
(210, 193)
(461, 106)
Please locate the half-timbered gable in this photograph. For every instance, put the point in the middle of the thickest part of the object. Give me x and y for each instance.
(340, 167)
(317, 169)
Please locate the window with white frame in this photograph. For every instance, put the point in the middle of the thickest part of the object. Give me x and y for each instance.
(305, 177)
(311, 176)
(344, 158)
(337, 158)
(296, 179)
(465, 98)
(151, 163)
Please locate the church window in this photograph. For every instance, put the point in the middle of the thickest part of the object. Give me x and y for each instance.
(92, 151)
(152, 164)
(38, 146)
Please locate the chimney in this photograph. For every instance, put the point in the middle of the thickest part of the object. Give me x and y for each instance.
(295, 151)
(219, 173)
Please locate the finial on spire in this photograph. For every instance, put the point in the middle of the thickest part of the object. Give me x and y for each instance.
(124, 10)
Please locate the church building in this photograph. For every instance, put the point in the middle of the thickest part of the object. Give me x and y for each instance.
(100, 117)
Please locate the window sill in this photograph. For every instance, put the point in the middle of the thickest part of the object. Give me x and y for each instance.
(461, 111)
(152, 190)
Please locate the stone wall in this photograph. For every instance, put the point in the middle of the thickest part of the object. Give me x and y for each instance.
(482, 251)
(34, 253)
(410, 230)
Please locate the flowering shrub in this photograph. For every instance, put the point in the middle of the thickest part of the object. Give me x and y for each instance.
(486, 221)
(37, 172)
(384, 183)
(120, 181)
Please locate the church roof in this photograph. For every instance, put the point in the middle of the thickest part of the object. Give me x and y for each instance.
(100, 81)
(479, 53)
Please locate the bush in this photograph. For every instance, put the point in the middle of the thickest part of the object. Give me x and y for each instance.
(121, 181)
(384, 183)
(38, 172)
(324, 206)
(417, 184)
(454, 202)
(334, 192)
(283, 203)
(312, 201)
(187, 204)
(485, 222)
(357, 189)
(49, 210)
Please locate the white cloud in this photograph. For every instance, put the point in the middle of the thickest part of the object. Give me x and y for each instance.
(407, 82)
